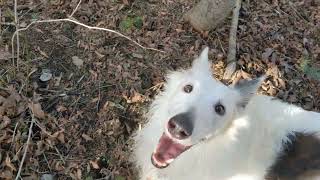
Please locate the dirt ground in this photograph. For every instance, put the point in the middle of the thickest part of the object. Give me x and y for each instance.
(85, 92)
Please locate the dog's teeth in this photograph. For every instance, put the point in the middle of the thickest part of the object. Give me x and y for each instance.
(169, 161)
(159, 163)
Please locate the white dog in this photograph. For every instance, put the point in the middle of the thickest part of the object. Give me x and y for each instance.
(201, 129)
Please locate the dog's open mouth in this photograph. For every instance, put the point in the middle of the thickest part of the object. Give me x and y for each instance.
(166, 151)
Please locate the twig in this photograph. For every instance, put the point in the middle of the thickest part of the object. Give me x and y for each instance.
(26, 146)
(14, 133)
(75, 9)
(220, 44)
(17, 28)
(231, 58)
(71, 19)
(60, 155)
(297, 13)
(99, 95)
(86, 26)
(0, 23)
(45, 157)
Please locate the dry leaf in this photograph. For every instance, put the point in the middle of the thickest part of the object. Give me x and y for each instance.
(5, 122)
(99, 55)
(79, 174)
(267, 53)
(56, 134)
(245, 75)
(282, 83)
(137, 97)
(32, 177)
(37, 110)
(61, 108)
(125, 2)
(6, 174)
(139, 56)
(94, 164)
(86, 137)
(58, 166)
(42, 53)
(95, 99)
(9, 164)
(61, 137)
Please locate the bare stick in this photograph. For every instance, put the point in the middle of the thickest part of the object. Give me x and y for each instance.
(0, 24)
(60, 155)
(26, 146)
(70, 19)
(231, 58)
(75, 9)
(17, 27)
(86, 26)
(14, 133)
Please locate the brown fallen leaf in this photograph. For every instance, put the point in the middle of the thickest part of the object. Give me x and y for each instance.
(86, 137)
(267, 53)
(79, 173)
(94, 164)
(9, 164)
(5, 122)
(245, 75)
(135, 98)
(95, 99)
(61, 137)
(6, 174)
(57, 134)
(61, 108)
(36, 110)
(139, 56)
(42, 53)
(125, 2)
(282, 83)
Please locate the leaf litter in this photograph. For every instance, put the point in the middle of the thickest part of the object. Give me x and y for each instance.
(86, 110)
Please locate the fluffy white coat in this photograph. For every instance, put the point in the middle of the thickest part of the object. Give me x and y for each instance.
(243, 148)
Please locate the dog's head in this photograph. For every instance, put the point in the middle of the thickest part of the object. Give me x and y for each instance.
(195, 107)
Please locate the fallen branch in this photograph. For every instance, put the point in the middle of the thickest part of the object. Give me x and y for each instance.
(86, 26)
(231, 58)
(72, 20)
(26, 146)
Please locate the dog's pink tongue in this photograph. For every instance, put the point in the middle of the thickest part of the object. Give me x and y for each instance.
(166, 151)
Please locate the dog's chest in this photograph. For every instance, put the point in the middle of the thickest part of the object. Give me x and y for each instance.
(299, 160)
(210, 162)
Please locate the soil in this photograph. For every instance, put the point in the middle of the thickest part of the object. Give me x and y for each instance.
(87, 91)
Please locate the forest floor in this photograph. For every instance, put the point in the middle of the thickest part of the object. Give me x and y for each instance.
(81, 93)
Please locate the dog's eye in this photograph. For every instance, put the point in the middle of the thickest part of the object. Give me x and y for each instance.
(219, 108)
(188, 88)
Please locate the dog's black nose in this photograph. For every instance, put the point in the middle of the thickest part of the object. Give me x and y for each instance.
(180, 126)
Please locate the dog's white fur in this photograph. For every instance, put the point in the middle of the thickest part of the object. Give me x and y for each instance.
(242, 144)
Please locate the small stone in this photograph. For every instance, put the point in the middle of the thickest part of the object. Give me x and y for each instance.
(46, 75)
(47, 177)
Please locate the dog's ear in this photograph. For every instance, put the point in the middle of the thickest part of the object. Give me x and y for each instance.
(247, 89)
(202, 64)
